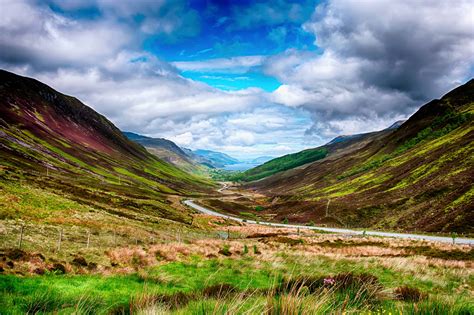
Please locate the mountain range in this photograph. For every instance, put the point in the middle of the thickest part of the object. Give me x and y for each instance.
(417, 176)
(53, 142)
(190, 160)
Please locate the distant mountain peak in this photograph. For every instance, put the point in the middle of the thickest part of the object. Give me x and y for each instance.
(396, 124)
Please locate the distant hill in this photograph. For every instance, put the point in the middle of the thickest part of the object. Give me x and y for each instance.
(217, 159)
(55, 142)
(168, 151)
(262, 159)
(343, 138)
(158, 142)
(415, 176)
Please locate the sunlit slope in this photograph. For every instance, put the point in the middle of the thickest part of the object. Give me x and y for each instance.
(419, 177)
(54, 142)
(168, 151)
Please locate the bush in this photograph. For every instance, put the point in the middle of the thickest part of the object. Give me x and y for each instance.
(406, 293)
(225, 251)
(255, 250)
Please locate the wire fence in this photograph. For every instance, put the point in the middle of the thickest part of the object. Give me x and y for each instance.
(62, 239)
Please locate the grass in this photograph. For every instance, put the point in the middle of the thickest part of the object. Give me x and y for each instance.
(280, 164)
(440, 127)
(277, 274)
(282, 285)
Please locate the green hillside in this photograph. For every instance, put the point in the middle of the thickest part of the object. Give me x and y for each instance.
(63, 164)
(280, 164)
(418, 177)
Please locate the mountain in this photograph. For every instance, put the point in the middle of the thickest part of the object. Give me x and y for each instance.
(414, 177)
(156, 142)
(262, 159)
(397, 124)
(53, 142)
(217, 159)
(168, 151)
(344, 138)
(299, 159)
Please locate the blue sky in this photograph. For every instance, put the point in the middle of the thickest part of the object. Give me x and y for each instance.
(248, 78)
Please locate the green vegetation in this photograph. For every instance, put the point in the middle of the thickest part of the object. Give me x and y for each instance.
(278, 165)
(441, 126)
(227, 285)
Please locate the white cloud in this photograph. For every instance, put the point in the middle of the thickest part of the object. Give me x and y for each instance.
(377, 61)
(184, 139)
(380, 59)
(233, 64)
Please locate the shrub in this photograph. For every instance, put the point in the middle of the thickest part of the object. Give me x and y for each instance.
(79, 261)
(255, 250)
(259, 208)
(225, 251)
(285, 221)
(405, 293)
(246, 249)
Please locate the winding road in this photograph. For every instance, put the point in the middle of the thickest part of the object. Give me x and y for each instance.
(443, 239)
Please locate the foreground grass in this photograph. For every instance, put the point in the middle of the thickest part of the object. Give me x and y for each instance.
(282, 284)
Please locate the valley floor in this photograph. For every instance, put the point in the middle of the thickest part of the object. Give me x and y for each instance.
(111, 264)
(256, 270)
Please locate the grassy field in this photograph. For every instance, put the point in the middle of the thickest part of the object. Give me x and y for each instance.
(259, 270)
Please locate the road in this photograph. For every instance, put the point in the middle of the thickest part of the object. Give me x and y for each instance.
(442, 239)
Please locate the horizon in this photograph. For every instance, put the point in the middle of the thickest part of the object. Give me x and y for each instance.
(250, 79)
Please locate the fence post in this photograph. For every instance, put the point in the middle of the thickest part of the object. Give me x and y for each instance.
(88, 238)
(60, 239)
(21, 236)
(228, 234)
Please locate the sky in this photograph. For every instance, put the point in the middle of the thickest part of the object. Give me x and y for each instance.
(248, 78)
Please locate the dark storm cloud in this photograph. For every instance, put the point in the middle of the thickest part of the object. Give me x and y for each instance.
(372, 62)
(380, 59)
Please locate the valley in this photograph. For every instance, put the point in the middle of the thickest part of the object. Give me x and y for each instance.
(93, 220)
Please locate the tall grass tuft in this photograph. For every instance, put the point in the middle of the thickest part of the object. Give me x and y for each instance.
(41, 302)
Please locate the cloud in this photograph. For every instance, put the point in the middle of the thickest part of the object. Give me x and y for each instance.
(379, 59)
(239, 64)
(270, 13)
(373, 62)
(44, 40)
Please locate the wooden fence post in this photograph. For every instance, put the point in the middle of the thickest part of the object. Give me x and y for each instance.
(88, 238)
(21, 236)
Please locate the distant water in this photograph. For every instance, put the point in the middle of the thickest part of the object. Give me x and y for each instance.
(240, 166)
